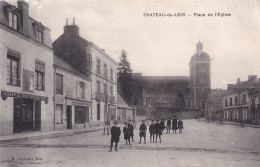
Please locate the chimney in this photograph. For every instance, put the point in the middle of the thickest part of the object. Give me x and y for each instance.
(71, 29)
(251, 77)
(23, 8)
(238, 80)
(230, 86)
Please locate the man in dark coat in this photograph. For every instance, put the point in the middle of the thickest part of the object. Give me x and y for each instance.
(126, 132)
(168, 124)
(174, 124)
(131, 128)
(158, 130)
(162, 125)
(115, 136)
(152, 131)
(142, 133)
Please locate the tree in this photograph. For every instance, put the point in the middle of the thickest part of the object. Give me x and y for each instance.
(125, 80)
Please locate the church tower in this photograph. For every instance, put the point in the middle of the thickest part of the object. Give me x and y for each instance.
(200, 79)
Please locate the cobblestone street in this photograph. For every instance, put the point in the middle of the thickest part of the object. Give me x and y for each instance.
(201, 144)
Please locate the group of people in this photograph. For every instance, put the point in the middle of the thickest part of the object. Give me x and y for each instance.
(155, 130)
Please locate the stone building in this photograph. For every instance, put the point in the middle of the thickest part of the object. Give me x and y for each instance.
(213, 105)
(96, 64)
(72, 96)
(254, 98)
(236, 101)
(170, 94)
(26, 65)
(200, 78)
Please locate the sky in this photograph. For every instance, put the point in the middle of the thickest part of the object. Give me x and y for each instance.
(163, 46)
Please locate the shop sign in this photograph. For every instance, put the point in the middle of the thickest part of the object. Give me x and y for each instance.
(5, 94)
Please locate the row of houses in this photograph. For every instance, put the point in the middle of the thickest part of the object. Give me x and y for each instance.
(45, 85)
(239, 103)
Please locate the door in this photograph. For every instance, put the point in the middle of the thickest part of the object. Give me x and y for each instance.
(23, 115)
(37, 115)
(69, 117)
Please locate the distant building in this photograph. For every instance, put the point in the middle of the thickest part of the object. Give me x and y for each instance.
(213, 105)
(124, 112)
(96, 64)
(170, 94)
(254, 97)
(72, 96)
(26, 66)
(236, 101)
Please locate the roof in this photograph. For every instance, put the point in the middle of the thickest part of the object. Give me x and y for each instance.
(57, 61)
(121, 103)
(200, 56)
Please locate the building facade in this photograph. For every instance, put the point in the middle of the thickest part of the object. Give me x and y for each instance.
(26, 65)
(72, 96)
(124, 113)
(254, 97)
(96, 64)
(236, 102)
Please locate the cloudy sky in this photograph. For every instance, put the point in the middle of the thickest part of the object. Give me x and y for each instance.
(163, 46)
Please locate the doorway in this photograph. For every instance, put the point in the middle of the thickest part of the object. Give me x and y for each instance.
(69, 117)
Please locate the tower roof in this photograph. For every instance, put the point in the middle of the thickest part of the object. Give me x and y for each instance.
(200, 55)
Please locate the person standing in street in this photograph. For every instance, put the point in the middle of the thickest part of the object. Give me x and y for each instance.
(152, 131)
(115, 136)
(174, 124)
(158, 130)
(131, 129)
(142, 130)
(162, 125)
(168, 124)
(126, 132)
(180, 125)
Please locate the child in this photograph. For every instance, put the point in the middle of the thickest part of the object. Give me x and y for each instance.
(131, 130)
(180, 125)
(152, 131)
(115, 136)
(126, 132)
(174, 124)
(158, 130)
(169, 125)
(142, 131)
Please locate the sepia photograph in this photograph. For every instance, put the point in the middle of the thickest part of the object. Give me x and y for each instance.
(130, 83)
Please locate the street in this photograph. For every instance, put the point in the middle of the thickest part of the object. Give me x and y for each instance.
(201, 144)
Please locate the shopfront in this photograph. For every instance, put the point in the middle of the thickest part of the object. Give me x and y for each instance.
(26, 111)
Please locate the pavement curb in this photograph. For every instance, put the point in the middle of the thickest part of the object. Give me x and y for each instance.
(231, 123)
(54, 135)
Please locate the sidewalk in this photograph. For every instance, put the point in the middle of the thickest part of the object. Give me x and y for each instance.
(230, 123)
(48, 134)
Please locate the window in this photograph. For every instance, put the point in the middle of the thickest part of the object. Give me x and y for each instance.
(230, 101)
(39, 36)
(244, 99)
(98, 86)
(111, 74)
(227, 114)
(98, 66)
(80, 115)
(202, 90)
(237, 114)
(13, 20)
(98, 112)
(105, 70)
(202, 80)
(236, 101)
(81, 90)
(59, 84)
(226, 102)
(13, 70)
(39, 74)
(111, 91)
(203, 104)
(105, 89)
(39, 84)
(202, 69)
(59, 114)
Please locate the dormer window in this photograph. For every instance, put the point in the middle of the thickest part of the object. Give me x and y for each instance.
(13, 20)
(39, 36)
